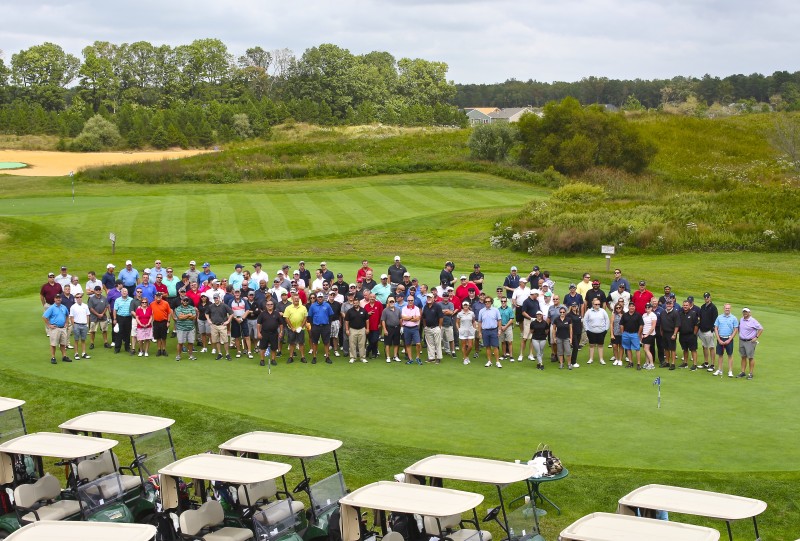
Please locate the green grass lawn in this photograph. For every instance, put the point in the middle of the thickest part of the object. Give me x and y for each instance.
(716, 433)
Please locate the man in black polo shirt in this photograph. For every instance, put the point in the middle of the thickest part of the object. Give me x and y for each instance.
(708, 316)
(632, 324)
(688, 328)
(447, 274)
(596, 293)
(269, 326)
(476, 276)
(355, 327)
(396, 272)
(670, 320)
(529, 308)
(432, 317)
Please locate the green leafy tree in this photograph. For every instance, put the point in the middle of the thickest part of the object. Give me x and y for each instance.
(97, 134)
(43, 72)
(492, 142)
(424, 82)
(159, 138)
(571, 139)
(99, 83)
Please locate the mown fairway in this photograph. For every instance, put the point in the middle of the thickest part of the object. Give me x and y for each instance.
(717, 433)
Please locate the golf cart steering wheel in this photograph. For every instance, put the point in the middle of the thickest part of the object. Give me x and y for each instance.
(302, 486)
(492, 514)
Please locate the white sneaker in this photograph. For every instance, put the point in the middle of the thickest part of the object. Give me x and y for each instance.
(614, 359)
(141, 353)
(466, 362)
(530, 357)
(590, 361)
(488, 364)
(213, 351)
(238, 355)
(204, 350)
(519, 358)
(576, 365)
(718, 373)
(364, 361)
(249, 355)
(397, 359)
(153, 340)
(388, 359)
(602, 362)
(336, 353)
(610, 346)
(146, 354)
(730, 374)
(498, 365)
(352, 360)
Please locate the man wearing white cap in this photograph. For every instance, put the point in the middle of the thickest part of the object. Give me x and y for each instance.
(749, 332)
(130, 277)
(518, 297)
(192, 273)
(511, 282)
(395, 273)
(108, 279)
(382, 290)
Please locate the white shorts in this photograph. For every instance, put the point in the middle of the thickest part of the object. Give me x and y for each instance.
(466, 333)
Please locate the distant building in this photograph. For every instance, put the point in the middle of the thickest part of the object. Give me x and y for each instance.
(511, 114)
(480, 115)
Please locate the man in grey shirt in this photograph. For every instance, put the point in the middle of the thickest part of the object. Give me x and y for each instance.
(390, 324)
(448, 339)
(98, 316)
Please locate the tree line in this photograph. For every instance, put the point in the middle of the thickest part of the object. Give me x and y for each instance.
(200, 93)
(781, 90)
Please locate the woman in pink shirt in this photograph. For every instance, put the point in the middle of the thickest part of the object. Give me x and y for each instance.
(144, 329)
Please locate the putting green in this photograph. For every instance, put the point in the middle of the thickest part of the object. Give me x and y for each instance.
(13, 165)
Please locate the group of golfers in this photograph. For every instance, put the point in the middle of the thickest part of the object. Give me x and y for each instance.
(250, 314)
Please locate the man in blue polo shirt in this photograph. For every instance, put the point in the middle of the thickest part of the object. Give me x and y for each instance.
(319, 315)
(108, 279)
(148, 289)
(726, 327)
(489, 321)
(236, 279)
(129, 277)
(55, 318)
(207, 275)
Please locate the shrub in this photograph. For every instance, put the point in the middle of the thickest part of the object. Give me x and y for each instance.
(97, 134)
(492, 142)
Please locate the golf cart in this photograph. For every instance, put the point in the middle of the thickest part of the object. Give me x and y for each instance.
(12, 421)
(646, 500)
(48, 530)
(440, 510)
(39, 496)
(323, 495)
(612, 527)
(152, 447)
(520, 523)
(12, 425)
(235, 498)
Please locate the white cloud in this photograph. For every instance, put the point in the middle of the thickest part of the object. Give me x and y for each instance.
(482, 41)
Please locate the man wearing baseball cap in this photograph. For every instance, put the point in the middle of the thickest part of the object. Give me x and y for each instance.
(257, 275)
(749, 332)
(319, 315)
(446, 275)
(207, 275)
(476, 276)
(382, 290)
(511, 282)
(108, 279)
(395, 273)
(708, 315)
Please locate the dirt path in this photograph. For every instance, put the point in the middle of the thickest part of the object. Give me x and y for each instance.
(53, 164)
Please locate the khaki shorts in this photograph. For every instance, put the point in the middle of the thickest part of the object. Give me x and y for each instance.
(447, 334)
(526, 329)
(101, 326)
(708, 339)
(746, 349)
(219, 333)
(58, 336)
(508, 334)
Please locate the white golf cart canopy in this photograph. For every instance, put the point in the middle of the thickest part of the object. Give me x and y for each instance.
(112, 422)
(479, 470)
(228, 469)
(54, 444)
(48, 530)
(417, 499)
(612, 527)
(692, 502)
(279, 443)
(9, 403)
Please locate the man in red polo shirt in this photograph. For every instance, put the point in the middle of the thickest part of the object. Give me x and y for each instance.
(374, 309)
(641, 297)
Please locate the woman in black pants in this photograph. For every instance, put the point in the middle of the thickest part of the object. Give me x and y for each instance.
(577, 330)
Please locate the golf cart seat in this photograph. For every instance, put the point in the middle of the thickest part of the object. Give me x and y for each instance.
(207, 516)
(39, 501)
(103, 464)
(263, 492)
(450, 528)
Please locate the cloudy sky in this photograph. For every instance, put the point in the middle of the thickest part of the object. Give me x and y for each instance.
(481, 41)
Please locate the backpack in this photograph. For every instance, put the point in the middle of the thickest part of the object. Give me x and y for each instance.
(405, 524)
(334, 530)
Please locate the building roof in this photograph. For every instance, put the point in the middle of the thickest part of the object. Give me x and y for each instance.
(509, 112)
(484, 110)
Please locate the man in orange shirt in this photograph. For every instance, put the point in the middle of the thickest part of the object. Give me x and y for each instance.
(161, 314)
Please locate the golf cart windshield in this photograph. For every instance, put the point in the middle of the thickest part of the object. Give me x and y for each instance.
(12, 423)
(326, 494)
(99, 493)
(153, 451)
(522, 522)
(284, 526)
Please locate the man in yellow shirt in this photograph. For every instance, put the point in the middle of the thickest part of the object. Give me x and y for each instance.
(295, 315)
